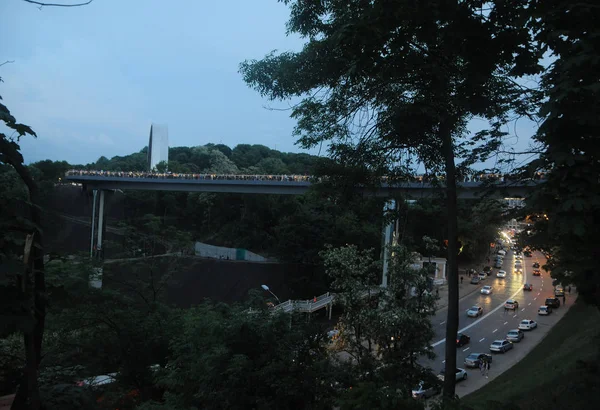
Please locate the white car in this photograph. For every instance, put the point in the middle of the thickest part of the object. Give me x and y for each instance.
(527, 324)
(461, 374)
(501, 346)
(424, 391)
(501, 274)
(486, 290)
(482, 275)
(544, 310)
(501, 252)
(518, 257)
(475, 311)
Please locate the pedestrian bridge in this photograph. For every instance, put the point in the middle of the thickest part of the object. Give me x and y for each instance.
(419, 187)
(306, 306)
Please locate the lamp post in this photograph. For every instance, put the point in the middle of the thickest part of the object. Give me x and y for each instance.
(265, 287)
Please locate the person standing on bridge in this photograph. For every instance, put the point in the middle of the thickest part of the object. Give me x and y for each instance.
(315, 299)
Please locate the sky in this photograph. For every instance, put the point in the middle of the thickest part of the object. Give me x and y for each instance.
(91, 80)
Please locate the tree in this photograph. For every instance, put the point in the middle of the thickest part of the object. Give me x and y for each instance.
(383, 330)
(228, 357)
(566, 206)
(162, 167)
(45, 4)
(22, 244)
(382, 81)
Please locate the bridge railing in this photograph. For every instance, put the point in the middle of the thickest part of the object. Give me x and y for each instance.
(307, 305)
(474, 177)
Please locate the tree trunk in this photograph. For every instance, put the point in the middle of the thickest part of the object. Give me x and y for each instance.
(27, 396)
(452, 266)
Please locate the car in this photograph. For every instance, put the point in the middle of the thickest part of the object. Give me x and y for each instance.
(426, 390)
(536, 265)
(527, 324)
(501, 252)
(537, 272)
(462, 339)
(559, 291)
(518, 257)
(527, 254)
(518, 270)
(498, 264)
(528, 286)
(486, 290)
(515, 335)
(474, 359)
(475, 311)
(501, 346)
(482, 276)
(501, 274)
(553, 302)
(544, 310)
(487, 270)
(555, 282)
(475, 280)
(461, 374)
(511, 304)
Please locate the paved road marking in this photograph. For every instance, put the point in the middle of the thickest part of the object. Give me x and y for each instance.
(523, 310)
(439, 342)
(495, 330)
(505, 323)
(538, 294)
(534, 298)
(482, 339)
(464, 350)
(443, 361)
(443, 322)
(529, 304)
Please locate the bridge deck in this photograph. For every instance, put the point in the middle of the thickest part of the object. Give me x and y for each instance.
(291, 186)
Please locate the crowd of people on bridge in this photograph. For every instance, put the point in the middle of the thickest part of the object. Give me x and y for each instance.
(287, 178)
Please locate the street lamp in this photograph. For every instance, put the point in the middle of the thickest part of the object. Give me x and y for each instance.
(265, 287)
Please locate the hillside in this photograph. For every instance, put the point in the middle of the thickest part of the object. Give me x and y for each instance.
(562, 372)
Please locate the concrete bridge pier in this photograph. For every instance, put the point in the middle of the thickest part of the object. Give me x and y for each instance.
(96, 251)
(390, 235)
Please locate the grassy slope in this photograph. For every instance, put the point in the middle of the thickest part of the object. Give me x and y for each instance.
(552, 375)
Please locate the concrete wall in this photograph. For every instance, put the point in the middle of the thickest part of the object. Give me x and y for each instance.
(219, 252)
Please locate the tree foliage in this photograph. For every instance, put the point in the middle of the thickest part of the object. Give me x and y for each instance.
(389, 85)
(565, 207)
(382, 330)
(228, 358)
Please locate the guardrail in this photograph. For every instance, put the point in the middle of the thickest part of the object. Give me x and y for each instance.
(306, 306)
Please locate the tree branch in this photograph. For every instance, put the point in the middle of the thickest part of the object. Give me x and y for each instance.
(42, 4)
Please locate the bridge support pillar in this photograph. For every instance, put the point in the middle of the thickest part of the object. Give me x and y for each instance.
(96, 251)
(389, 238)
(99, 252)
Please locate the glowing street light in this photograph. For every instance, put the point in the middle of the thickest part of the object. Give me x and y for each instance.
(265, 287)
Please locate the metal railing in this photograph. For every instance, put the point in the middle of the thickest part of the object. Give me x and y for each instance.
(305, 306)
(312, 305)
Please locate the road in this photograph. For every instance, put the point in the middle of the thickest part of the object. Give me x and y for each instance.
(495, 322)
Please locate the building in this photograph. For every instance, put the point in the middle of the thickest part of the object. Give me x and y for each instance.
(158, 146)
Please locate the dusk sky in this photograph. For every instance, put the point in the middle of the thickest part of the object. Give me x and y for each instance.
(90, 80)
